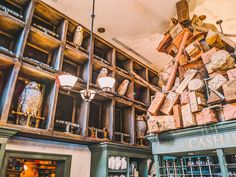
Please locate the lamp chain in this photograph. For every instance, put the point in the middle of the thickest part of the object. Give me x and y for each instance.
(90, 45)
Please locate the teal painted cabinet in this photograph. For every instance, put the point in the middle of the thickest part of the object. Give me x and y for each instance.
(138, 156)
(4, 135)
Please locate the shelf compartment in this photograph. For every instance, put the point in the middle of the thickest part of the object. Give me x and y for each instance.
(102, 52)
(153, 78)
(123, 114)
(97, 69)
(43, 40)
(99, 115)
(70, 36)
(75, 68)
(9, 36)
(140, 70)
(47, 82)
(41, 47)
(15, 9)
(67, 112)
(75, 55)
(141, 93)
(123, 63)
(119, 79)
(48, 20)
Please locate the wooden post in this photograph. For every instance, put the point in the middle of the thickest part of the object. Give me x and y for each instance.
(21, 43)
(51, 104)
(132, 129)
(58, 58)
(84, 117)
(222, 162)
(8, 92)
(112, 120)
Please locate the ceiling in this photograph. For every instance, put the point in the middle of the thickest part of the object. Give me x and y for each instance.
(140, 24)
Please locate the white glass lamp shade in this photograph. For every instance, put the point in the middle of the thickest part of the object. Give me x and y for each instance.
(67, 81)
(106, 83)
(87, 95)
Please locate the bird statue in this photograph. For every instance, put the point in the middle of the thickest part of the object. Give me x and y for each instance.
(103, 73)
(29, 101)
(78, 37)
(123, 87)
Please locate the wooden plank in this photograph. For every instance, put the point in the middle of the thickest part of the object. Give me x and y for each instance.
(171, 79)
(171, 99)
(188, 77)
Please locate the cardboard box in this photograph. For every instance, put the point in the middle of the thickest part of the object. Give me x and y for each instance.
(159, 124)
(206, 116)
(229, 89)
(217, 81)
(231, 74)
(184, 98)
(229, 111)
(197, 101)
(206, 57)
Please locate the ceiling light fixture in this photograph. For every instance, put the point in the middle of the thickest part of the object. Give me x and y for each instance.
(68, 81)
(101, 30)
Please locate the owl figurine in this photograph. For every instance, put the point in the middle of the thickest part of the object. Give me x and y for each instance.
(103, 73)
(30, 100)
(78, 37)
(123, 87)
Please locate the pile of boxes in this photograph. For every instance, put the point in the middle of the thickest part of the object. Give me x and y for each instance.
(199, 84)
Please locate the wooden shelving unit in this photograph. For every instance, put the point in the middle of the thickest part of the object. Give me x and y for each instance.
(37, 46)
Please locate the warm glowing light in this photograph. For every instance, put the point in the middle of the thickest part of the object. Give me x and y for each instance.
(67, 81)
(106, 83)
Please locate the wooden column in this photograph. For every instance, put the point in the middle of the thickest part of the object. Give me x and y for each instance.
(132, 126)
(21, 43)
(8, 92)
(51, 105)
(222, 162)
(84, 117)
(112, 106)
(58, 58)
